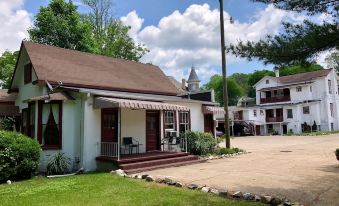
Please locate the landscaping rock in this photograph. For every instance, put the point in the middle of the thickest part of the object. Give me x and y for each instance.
(205, 189)
(201, 186)
(223, 193)
(9, 182)
(139, 177)
(159, 180)
(179, 184)
(266, 199)
(120, 172)
(149, 179)
(193, 186)
(249, 197)
(287, 203)
(169, 181)
(275, 201)
(257, 198)
(144, 176)
(214, 191)
(237, 194)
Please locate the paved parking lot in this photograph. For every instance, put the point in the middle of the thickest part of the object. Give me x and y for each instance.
(303, 169)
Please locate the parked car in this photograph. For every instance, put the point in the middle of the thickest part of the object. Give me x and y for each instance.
(219, 133)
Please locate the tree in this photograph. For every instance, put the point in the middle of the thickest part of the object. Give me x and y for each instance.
(59, 24)
(254, 78)
(111, 35)
(285, 71)
(299, 43)
(332, 61)
(7, 65)
(234, 90)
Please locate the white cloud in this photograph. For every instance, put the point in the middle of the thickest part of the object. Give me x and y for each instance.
(132, 19)
(181, 40)
(14, 24)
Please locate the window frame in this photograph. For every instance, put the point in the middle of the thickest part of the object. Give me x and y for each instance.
(255, 113)
(306, 111)
(40, 125)
(187, 123)
(329, 82)
(28, 68)
(289, 115)
(299, 89)
(332, 109)
(166, 118)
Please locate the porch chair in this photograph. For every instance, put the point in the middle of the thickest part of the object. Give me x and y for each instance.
(130, 143)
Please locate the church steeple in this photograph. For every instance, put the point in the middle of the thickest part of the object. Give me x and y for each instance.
(193, 81)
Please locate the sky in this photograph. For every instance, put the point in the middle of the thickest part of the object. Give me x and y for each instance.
(179, 33)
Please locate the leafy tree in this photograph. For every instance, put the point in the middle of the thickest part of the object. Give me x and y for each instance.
(332, 61)
(59, 24)
(255, 77)
(111, 35)
(242, 80)
(299, 43)
(7, 65)
(234, 90)
(285, 71)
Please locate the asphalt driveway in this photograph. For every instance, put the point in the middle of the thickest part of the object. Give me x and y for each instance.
(303, 169)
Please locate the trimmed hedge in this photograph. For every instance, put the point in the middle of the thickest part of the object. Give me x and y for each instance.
(200, 143)
(19, 156)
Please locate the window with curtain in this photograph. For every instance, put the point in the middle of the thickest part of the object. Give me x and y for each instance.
(169, 120)
(31, 120)
(184, 121)
(50, 120)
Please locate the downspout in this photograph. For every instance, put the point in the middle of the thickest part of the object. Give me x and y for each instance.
(81, 130)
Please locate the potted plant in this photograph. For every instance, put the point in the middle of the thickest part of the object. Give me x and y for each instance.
(337, 153)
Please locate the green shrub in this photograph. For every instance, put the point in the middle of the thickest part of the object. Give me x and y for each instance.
(337, 151)
(200, 143)
(224, 151)
(58, 164)
(19, 156)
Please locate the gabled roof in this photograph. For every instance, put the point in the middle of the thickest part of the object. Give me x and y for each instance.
(302, 77)
(193, 76)
(74, 68)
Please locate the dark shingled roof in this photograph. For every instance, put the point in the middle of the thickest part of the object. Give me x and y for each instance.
(193, 76)
(302, 77)
(7, 107)
(7, 98)
(87, 70)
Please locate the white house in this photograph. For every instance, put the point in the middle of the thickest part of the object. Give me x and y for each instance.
(294, 103)
(100, 110)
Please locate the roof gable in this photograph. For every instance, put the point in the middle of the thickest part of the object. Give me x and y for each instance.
(87, 70)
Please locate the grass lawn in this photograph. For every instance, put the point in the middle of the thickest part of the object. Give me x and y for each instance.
(104, 189)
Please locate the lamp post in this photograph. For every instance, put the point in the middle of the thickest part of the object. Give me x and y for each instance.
(224, 74)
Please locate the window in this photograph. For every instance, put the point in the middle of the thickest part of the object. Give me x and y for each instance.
(169, 120)
(50, 124)
(310, 88)
(332, 126)
(329, 86)
(236, 115)
(28, 73)
(28, 120)
(289, 113)
(306, 110)
(184, 121)
(331, 110)
(255, 112)
(299, 89)
(24, 118)
(262, 112)
(267, 81)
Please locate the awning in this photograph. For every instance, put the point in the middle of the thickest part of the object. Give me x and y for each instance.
(213, 110)
(108, 102)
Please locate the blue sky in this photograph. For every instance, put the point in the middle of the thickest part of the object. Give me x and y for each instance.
(253, 21)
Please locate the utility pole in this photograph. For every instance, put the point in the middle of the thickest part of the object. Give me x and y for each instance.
(224, 74)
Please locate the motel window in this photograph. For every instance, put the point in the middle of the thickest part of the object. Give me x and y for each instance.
(169, 120)
(50, 124)
(299, 89)
(184, 121)
(306, 110)
(329, 86)
(310, 88)
(331, 110)
(267, 81)
(28, 73)
(262, 112)
(255, 112)
(289, 113)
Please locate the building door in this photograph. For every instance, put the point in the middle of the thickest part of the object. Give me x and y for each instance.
(152, 131)
(208, 123)
(284, 129)
(109, 125)
(257, 130)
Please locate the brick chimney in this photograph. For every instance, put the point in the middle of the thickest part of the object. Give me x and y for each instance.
(183, 84)
(276, 71)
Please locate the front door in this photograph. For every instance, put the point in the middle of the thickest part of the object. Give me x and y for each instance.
(209, 123)
(257, 129)
(109, 125)
(152, 130)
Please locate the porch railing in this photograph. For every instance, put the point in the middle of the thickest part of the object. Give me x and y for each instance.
(108, 149)
(175, 144)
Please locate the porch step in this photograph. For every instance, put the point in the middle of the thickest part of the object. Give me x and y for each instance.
(158, 162)
(152, 156)
(177, 164)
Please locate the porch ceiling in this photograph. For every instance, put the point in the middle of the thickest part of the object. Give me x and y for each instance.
(106, 102)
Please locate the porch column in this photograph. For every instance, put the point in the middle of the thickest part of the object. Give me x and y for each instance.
(119, 132)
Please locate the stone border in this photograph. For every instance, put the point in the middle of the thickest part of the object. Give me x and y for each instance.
(266, 199)
(213, 157)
